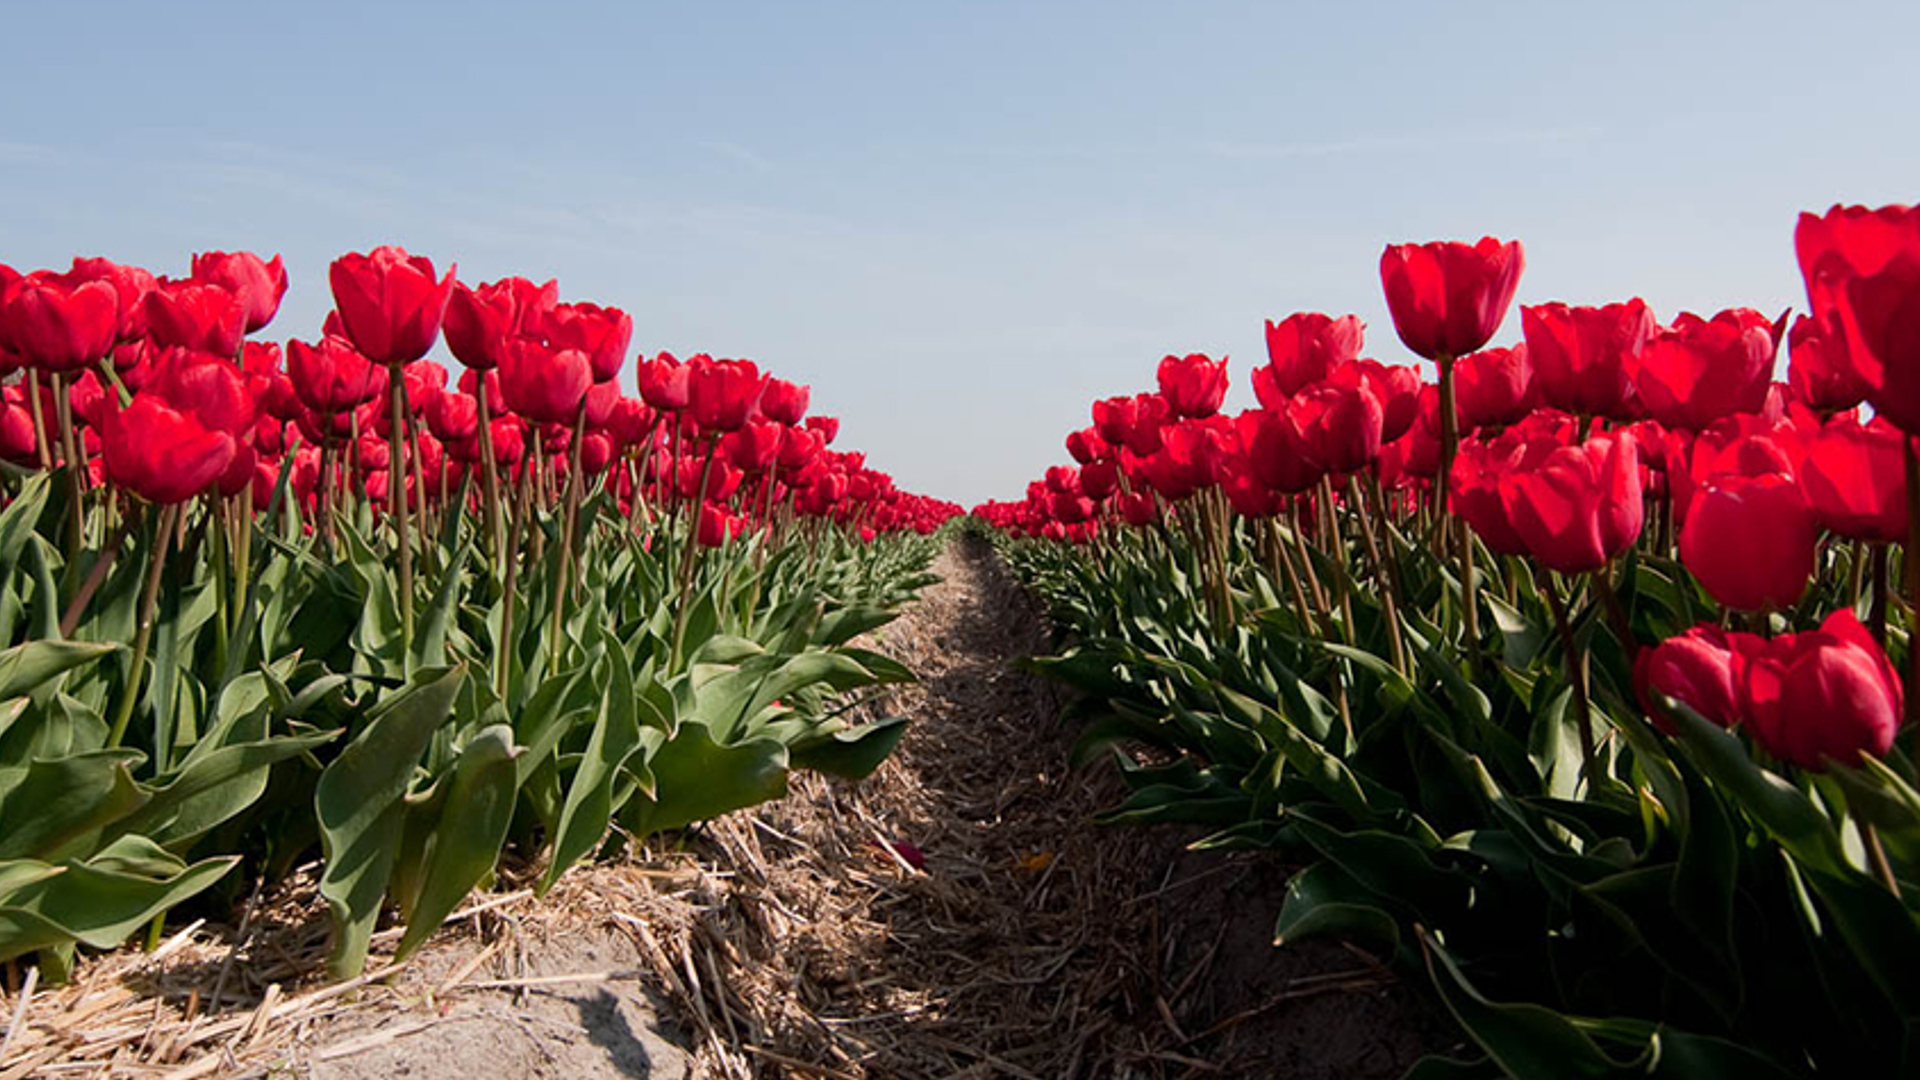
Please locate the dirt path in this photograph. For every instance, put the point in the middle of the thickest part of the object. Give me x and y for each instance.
(956, 915)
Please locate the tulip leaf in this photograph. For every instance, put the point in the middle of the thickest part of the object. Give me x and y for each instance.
(55, 808)
(358, 803)
(853, 752)
(466, 839)
(25, 669)
(589, 805)
(1323, 899)
(98, 906)
(698, 778)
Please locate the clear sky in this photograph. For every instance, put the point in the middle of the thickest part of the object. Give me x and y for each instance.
(961, 222)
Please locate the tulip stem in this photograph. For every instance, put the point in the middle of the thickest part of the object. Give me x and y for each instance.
(1576, 676)
(1911, 559)
(490, 473)
(1877, 613)
(40, 443)
(563, 581)
(397, 502)
(504, 662)
(96, 575)
(1389, 605)
(76, 468)
(689, 553)
(149, 597)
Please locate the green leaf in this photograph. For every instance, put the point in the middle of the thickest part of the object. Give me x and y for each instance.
(358, 802)
(24, 669)
(854, 752)
(55, 808)
(466, 840)
(97, 906)
(589, 805)
(697, 778)
(1324, 899)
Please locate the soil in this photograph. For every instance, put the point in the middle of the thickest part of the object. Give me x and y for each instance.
(956, 915)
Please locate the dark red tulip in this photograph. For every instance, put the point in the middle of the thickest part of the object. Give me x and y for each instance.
(1139, 509)
(1277, 451)
(1824, 695)
(1854, 478)
(1750, 541)
(453, 417)
(1098, 479)
(1862, 269)
(602, 333)
(599, 403)
(1580, 354)
(195, 315)
(389, 302)
(1494, 387)
(1581, 506)
(1699, 370)
(1448, 298)
(1086, 446)
(1305, 347)
(1703, 668)
(544, 385)
(722, 479)
(754, 447)
(1474, 487)
(160, 453)
(717, 525)
(19, 442)
(57, 326)
(259, 285)
(209, 387)
(1193, 385)
(722, 393)
(332, 376)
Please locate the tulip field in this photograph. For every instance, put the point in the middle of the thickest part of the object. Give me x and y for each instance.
(1565, 678)
(1570, 679)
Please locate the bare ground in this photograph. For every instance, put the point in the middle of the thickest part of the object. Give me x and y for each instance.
(801, 939)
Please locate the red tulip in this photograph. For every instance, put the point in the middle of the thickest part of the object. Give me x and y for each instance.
(722, 393)
(1138, 509)
(1494, 387)
(1750, 541)
(1854, 478)
(1277, 451)
(1397, 388)
(1194, 386)
(663, 382)
(1474, 486)
(259, 285)
(783, 402)
(130, 283)
(754, 447)
(544, 385)
(1703, 668)
(1581, 506)
(453, 417)
(828, 428)
(1828, 694)
(481, 320)
(332, 376)
(1862, 269)
(389, 302)
(1819, 369)
(1340, 426)
(160, 453)
(57, 326)
(1448, 298)
(1580, 354)
(1086, 446)
(1098, 479)
(1305, 347)
(19, 442)
(1700, 370)
(602, 333)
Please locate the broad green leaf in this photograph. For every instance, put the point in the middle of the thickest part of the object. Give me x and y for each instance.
(466, 841)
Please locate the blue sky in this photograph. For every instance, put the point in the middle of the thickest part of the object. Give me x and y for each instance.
(961, 222)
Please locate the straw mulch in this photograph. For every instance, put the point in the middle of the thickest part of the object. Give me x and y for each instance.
(955, 915)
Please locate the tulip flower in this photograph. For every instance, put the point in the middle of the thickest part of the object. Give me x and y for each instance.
(1494, 387)
(1306, 347)
(722, 393)
(1700, 370)
(130, 283)
(783, 402)
(1862, 269)
(602, 333)
(1194, 386)
(1448, 298)
(1580, 354)
(1278, 453)
(258, 285)
(1750, 541)
(1581, 506)
(332, 377)
(545, 385)
(663, 382)
(1703, 668)
(390, 304)
(195, 315)
(59, 326)
(1854, 478)
(1340, 426)
(1824, 695)
(481, 320)
(162, 453)
(1819, 369)
(828, 428)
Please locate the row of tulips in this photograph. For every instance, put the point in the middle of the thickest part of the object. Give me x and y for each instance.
(1569, 675)
(258, 602)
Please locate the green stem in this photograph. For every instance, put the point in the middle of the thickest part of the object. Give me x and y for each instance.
(397, 501)
(163, 536)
